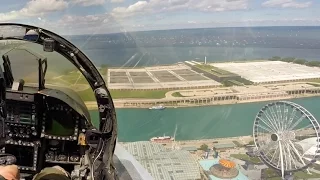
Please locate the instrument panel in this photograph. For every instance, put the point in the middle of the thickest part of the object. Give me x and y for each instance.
(43, 131)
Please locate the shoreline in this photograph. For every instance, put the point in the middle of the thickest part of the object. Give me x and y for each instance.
(92, 105)
(242, 139)
(222, 140)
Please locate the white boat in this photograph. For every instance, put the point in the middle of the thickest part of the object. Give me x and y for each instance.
(162, 139)
(159, 107)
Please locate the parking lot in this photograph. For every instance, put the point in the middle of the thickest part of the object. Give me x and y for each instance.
(158, 77)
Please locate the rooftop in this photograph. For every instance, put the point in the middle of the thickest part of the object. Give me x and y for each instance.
(157, 77)
(270, 71)
(206, 164)
(163, 163)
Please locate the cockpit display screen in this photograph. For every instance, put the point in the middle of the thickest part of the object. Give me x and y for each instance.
(60, 124)
(24, 154)
(22, 113)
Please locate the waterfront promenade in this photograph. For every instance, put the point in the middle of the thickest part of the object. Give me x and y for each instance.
(222, 95)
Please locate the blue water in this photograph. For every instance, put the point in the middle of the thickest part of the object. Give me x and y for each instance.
(218, 44)
(195, 122)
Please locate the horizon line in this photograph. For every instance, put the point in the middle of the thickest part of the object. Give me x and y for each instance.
(121, 32)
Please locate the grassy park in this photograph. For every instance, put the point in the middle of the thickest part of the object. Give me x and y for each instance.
(147, 94)
(177, 94)
(245, 157)
(214, 70)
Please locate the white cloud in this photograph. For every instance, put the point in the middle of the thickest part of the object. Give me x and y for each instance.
(91, 21)
(154, 6)
(103, 23)
(286, 4)
(88, 2)
(88, 20)
(35, 8)
(116, 1)
(89, 24)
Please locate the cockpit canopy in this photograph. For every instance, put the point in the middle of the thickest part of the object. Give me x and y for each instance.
(31, 65)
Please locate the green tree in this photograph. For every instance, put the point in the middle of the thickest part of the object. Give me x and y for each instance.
(275, 58)
(313, 63)
(251, 143)
(204, 147)
(288, 59)
(300, 61)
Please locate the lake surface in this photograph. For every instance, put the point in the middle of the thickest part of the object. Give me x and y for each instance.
(195, 122)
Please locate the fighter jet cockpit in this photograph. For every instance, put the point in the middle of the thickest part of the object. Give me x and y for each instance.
(43, 123)
(159, 89)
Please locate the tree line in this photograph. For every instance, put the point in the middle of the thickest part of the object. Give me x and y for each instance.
(296, 61)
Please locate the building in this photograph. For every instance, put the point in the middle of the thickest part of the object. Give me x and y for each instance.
(309, 148)
(163, 163)
(268, 72)
(216, 171)
(176, 76)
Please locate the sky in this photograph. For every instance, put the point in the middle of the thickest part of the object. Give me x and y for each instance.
(109, 16)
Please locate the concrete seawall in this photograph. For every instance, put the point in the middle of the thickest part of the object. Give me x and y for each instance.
(146, 103)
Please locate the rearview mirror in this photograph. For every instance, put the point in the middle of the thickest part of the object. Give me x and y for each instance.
(31, 35)
(19, 33)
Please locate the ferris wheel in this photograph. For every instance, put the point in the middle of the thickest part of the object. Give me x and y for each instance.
(286, 136)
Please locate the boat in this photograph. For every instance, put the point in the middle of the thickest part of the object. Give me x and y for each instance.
(162, 139)
(159, 107)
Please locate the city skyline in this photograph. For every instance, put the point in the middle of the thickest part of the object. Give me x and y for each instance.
(109, 16)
